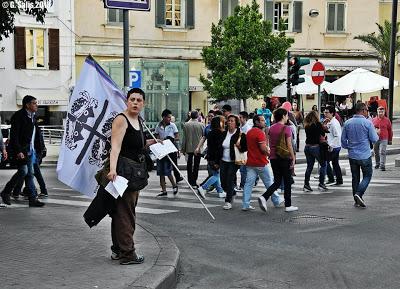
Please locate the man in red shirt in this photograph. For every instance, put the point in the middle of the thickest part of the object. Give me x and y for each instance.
(383, 128)
(257, 162)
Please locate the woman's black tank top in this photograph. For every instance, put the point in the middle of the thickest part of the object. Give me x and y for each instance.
(133, 142)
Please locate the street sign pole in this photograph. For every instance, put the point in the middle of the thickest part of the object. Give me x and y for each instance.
(126, 49)
(319, 101)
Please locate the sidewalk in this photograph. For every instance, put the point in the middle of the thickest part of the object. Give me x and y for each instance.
(76, 256)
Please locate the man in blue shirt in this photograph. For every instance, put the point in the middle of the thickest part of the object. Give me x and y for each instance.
(357, 135)
(264, 111)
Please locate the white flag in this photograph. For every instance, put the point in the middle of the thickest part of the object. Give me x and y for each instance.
(95, 102)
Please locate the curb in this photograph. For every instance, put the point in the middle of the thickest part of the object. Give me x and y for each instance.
(301, 160)
(164, 272)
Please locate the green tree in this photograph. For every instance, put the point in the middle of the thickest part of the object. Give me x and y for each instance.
(380, 42)
(243, 56)
(9, 8)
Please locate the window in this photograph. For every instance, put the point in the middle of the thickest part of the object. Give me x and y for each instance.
(336, 17)
(36, 48)
(281, 15)
(228, 8)
(174, 13)
(289, 14)
(115, 17)
(34, 39)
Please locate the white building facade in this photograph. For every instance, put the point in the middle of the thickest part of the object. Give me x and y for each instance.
(39, 60)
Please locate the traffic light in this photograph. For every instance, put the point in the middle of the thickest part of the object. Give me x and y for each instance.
(294, 71)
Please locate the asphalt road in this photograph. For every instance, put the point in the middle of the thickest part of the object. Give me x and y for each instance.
(326, 244)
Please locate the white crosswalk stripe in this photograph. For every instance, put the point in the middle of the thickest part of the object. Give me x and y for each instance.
(150, 204)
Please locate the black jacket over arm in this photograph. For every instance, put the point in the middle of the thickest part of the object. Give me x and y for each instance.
(214, 146)
(21, 134)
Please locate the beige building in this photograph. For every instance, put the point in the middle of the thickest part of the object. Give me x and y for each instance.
(385, 13)
(166, 43)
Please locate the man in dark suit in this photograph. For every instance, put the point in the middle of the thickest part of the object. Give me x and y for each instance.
(24, 146)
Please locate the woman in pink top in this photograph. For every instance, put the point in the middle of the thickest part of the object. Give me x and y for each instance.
(281, 167)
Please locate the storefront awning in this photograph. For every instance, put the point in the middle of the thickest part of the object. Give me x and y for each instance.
(350, 64)
(195, 84)
(44, 96)
(334, 64)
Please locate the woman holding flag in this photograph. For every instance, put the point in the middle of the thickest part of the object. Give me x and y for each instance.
(127, 140)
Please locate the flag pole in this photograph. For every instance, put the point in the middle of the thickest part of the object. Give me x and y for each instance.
(176, 167)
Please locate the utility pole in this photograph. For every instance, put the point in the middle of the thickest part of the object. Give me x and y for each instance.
(126, 48)
(392, 59)
(289, 91)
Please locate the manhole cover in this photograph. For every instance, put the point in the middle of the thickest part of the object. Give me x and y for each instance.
(310, 219)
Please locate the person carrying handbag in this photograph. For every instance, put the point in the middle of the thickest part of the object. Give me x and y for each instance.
(228, 167)
(282, 160)
(127, 141)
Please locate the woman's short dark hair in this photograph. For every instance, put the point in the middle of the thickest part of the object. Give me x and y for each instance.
(136, 90)
(279, 113)
(237, 121)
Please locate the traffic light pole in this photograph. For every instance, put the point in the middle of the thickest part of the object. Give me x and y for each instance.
(392, 59)
(289, 92)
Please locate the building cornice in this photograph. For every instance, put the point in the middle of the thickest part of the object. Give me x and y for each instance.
(165, 49)
(334, 53)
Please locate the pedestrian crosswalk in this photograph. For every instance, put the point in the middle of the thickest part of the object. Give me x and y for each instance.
(150, 204)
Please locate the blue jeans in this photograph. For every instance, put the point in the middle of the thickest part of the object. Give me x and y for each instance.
(214, 180)
(365, 166)
(243, 174)
(265, 175)
(313, 153)
(38, 175)
(25, 171)
(334, 158)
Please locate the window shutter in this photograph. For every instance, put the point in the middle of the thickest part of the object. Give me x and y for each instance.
(269, 11)
(190, 14)
(54, 49)
(340, 17)
(224, 9)
(234, 3)
(19, 48)
(297, 16)
(160, 13)
(331, 17)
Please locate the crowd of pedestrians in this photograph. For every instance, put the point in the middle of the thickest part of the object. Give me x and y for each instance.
(219, 137)
(260, 135)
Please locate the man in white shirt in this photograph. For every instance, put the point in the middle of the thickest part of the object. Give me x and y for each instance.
(334, 142)
(166, 130)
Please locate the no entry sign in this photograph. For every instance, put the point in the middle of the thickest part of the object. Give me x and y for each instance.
(318, 73)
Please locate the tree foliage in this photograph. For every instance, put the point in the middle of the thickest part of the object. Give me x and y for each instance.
(243, 56)
(381, 43)
(9, 8)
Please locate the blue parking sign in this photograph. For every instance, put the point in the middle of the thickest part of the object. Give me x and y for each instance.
(135, 79)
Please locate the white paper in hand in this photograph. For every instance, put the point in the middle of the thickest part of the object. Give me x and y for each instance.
(118, 187)
(160, 150)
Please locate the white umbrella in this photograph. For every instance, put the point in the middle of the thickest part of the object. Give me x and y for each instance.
(307, 87)
(359, 80)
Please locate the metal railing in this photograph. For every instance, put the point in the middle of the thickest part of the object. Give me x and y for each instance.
(52, 134)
